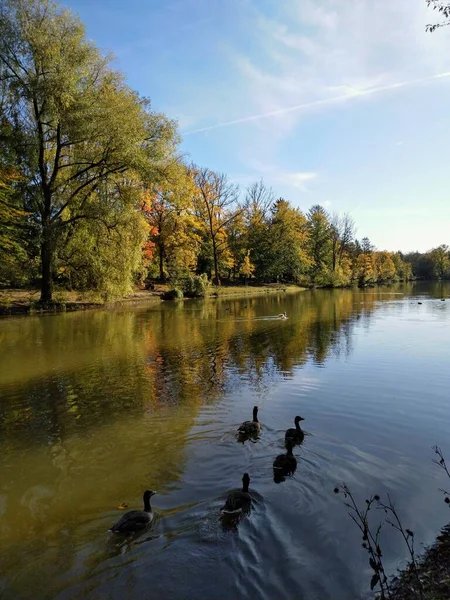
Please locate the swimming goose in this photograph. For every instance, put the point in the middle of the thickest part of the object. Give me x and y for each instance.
(238, 501)
(285, 464)
(135, 520)
(251, 427)
(296, 434)
(282, 316)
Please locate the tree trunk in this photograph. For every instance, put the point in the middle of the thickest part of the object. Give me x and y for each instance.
(46, 265)
(161, 263)
(335, 248)
(216, 263)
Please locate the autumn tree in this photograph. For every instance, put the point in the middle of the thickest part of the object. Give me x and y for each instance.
(385, 267)
(79, 126)
(247, 267)
(364, 269)
(169, 211)
(216, 203)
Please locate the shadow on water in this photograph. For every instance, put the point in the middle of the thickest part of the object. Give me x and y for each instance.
(96, 407)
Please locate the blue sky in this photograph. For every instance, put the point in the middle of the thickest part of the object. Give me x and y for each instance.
(345, 103)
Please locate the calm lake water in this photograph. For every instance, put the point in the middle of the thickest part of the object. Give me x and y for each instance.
(96, 407)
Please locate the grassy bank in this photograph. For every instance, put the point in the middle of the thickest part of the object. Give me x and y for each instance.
(20, 301)
(433, 571)
(16, 302)
(241, 290)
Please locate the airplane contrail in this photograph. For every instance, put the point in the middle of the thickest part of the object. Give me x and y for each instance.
(332, 100)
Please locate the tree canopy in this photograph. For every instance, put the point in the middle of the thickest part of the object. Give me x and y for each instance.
(94, 194)
(84, 142)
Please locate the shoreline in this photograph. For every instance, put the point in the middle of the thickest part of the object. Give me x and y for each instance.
(433, 570)
(18, 302)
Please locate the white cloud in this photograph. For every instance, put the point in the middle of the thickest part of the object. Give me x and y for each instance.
(349, 94)
(296, 180)
(319, 53)
(274, 175)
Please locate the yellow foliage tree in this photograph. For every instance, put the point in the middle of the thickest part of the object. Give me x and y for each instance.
(247, 268)
(385, 266)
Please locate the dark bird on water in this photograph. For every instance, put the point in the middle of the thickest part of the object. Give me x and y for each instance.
(295, 434)
(135, 520)
(251, 427)
(238, 501)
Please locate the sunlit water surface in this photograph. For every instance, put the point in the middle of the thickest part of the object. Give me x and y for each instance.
(96, 407)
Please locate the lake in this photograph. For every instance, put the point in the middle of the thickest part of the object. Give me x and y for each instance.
(97, 406)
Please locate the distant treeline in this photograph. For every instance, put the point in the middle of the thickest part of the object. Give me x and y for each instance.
(94, 193)
(434, 264)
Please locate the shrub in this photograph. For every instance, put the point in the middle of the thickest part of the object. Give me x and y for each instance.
(174, 294)
(201, 284)
(194, 287)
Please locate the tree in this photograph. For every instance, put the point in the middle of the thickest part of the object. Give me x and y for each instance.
(366, 246)
(385, 266)
(173, 226)
(286, 252)
(77, 126)
(319, 241)
(403, 269)
(237, 243)
(247, 268)
(365, 269)
(440, 261)
(13, 228)
(342, 233)
(443, 9)
(102, 254)
(216, 206)
(259, 199)
(420, 265)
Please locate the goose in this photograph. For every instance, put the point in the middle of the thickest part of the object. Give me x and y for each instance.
(135, 520)
(285, 463)
(295, 435)
(238, 501)
(282, 316)
(251, 427)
